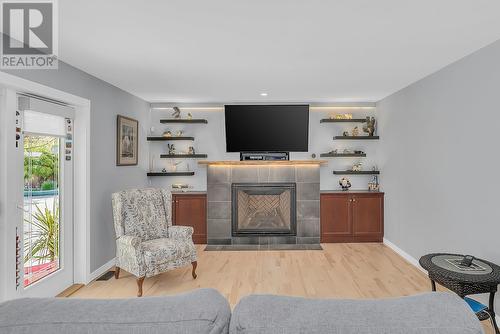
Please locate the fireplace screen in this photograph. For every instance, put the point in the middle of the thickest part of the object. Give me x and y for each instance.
(264, 208)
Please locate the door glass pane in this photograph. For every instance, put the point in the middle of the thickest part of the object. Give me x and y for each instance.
(41, 207)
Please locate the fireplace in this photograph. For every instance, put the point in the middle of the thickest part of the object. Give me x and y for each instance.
(263, 209)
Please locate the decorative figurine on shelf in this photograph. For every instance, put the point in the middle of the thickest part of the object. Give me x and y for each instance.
(176, 113)
(191, 150)
(172, 167)
(163, 170)
(179, 133)
(340, 116)
(355, 132)
(374, 185)
(152, 131)
(180, 186)
(345, 134)
(167, 134)
(357, 167)
(358, 152)
(171, 149)
(369, 127)
(345, 183)
(189, 116)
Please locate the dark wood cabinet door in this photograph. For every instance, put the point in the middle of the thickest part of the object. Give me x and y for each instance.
(367, 217)
(191, 210)
(335, 217)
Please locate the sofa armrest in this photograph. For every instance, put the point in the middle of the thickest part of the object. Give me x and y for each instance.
(180, 232)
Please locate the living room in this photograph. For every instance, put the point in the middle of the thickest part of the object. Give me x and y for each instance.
(275, 167)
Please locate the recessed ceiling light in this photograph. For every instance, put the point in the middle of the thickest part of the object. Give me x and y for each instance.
(263, 94)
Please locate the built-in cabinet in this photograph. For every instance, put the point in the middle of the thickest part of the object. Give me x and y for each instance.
(352, 216)
(190, 209)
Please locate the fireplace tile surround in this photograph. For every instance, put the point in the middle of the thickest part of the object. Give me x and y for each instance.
(219, 181)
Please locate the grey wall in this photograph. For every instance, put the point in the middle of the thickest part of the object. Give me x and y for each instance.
(105, 177)
(439, 153)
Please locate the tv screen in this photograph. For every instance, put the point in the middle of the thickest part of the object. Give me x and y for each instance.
(267, 128)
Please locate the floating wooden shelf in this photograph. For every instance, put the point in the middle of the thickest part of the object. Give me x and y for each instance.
(352, 172)
(263, 162)
(161, 138)
(178, 156)
(342, 155)
(184, 120)
(170, 173)
(355, 137)
(352, 120)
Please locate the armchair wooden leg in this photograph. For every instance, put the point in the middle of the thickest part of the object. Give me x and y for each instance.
(195, 264)
(117, 272)
(140, 280)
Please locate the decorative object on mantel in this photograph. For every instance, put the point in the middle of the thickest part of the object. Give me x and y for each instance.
(179, 133)
(369, 127)
(127, 148)
(176, 113)
(191, 150)
(163, 170)
(374, 185)
(345, 134)
(345, 183)
(355, 132)
(189, 116)
(171, 149)
(340, 116)
(357, 167)
(167, 134)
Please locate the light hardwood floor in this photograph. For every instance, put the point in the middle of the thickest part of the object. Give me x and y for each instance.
(339, 271)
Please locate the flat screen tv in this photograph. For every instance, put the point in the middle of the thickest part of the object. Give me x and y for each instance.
(267, 128)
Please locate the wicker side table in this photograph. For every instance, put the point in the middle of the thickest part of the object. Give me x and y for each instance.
(464, 282)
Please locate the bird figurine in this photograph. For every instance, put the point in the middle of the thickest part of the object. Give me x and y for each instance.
(369, 127)
(176, 113)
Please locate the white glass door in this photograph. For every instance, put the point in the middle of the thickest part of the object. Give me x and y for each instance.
(46, 229)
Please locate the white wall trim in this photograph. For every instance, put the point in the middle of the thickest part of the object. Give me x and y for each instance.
(101, 270)
(404, 255)
(81, 164)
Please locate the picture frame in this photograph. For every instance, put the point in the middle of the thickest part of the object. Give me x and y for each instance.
(127, 138)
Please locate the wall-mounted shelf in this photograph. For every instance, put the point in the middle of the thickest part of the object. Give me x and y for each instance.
(342, 155)
(182, 120)
(355, 137)
(352, 120)
(161, 138)
(180, 156)
(352, 172)
(170, 173)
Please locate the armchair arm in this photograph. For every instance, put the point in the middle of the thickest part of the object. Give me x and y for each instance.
(180, 232)
(129, 255)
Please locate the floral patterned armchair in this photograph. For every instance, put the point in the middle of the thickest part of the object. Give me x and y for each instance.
(146, 242)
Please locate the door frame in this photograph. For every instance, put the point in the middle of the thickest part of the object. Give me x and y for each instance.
(10, 85)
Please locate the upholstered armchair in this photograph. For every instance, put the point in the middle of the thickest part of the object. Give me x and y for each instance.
(146, 242)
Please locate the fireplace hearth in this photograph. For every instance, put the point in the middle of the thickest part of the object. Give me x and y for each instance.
(263, 209)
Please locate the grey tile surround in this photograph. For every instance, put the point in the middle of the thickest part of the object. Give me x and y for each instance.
(219, 179)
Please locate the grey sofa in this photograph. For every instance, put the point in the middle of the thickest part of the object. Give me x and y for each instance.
(206, 311)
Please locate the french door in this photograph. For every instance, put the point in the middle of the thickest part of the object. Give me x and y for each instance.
(45, 220)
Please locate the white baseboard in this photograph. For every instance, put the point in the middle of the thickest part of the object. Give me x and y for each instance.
(404, 255)
(101, 270)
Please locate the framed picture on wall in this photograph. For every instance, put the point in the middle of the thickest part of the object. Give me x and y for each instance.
(127, 137)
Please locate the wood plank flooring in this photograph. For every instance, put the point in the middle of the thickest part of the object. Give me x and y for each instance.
(366, 270)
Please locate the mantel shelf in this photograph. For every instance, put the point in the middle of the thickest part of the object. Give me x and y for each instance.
(263, 162)
(162, 138)
(352, 120)
(184, 120)
(342, 155)
(179, 156)
(170, 173)
(353, 172)
(355, 137)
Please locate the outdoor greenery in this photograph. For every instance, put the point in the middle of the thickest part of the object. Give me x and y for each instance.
(42, 242)
(41, 162)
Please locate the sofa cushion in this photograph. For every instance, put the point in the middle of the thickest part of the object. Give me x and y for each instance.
(160, 251)
(201, 311)
(431, 313)
(144, 213)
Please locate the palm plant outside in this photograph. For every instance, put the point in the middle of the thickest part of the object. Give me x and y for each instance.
(42, 243)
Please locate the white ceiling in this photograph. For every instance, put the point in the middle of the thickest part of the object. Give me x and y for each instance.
(295, 50)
